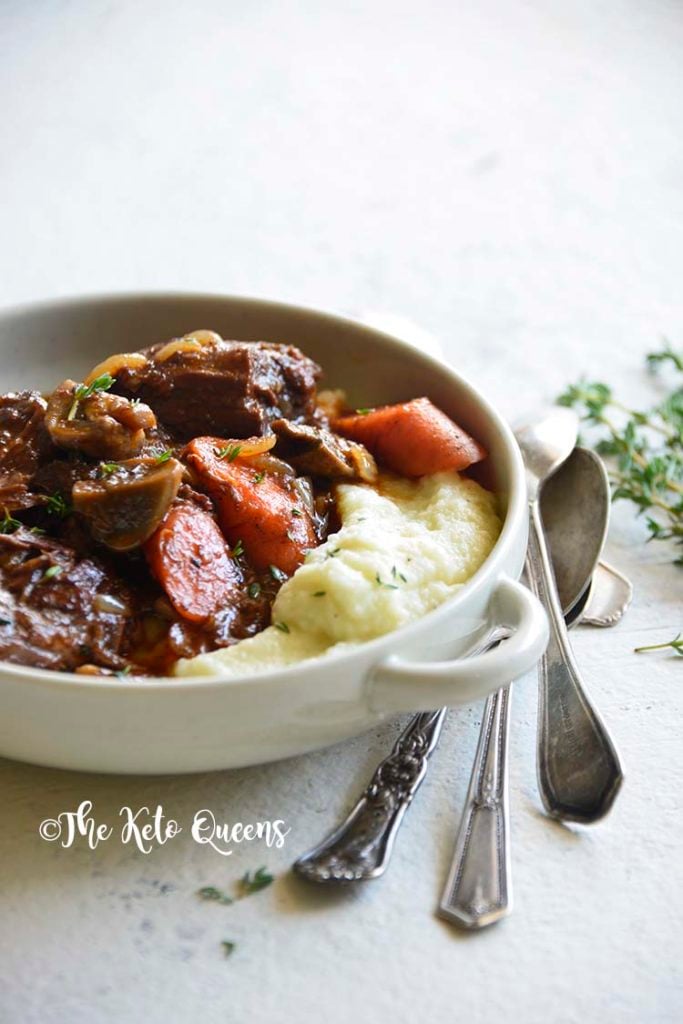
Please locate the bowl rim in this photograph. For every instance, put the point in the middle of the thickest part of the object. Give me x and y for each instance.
(144, 685)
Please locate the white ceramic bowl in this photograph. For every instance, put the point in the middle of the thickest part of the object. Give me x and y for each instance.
(181, 725)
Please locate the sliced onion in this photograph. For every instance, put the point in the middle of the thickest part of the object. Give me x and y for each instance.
(304, 488)
(112, 365)
(267, 463)
(188, 343)
(253, 445)
(110, 605)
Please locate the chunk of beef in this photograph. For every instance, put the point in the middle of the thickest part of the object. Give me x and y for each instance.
(102, 426)
(318, 452)
(223, 388)
(57, 610)
(24, 444)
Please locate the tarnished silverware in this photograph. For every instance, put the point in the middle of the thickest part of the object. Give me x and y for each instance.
(360, 848)
(579, 771)
(574, 505)
(610, 596)
(478, 889)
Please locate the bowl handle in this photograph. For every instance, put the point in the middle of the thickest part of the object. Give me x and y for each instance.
(400, 685)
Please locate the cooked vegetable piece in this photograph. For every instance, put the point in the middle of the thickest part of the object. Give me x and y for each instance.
(319, 452)
(99, 424)
(191, 560)
(127, 503)
(259, 514)
(413, 438)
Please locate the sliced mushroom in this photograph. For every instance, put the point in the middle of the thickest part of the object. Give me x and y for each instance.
(319, 452)
(102, 425)
(125, 506)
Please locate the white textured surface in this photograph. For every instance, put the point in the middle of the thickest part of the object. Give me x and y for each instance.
(508, 174)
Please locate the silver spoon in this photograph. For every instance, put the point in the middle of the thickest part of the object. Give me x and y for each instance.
(579, 773)
(478, 890)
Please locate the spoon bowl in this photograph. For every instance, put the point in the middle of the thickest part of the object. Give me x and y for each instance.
(575, 507)
(545, 445)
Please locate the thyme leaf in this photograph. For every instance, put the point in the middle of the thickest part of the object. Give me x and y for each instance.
(251, 883)
(210, 892)
(229, 453)
(101, 383)
(8, 524)
(57, 505)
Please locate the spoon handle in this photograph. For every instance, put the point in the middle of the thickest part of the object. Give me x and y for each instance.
(579, 773)
(360, 848)
(478, 890)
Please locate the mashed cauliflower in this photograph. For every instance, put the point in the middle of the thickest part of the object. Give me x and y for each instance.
(403, 549)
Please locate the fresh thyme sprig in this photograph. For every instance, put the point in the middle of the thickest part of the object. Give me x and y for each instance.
(645, 453)
(644, 448)
(676, 646)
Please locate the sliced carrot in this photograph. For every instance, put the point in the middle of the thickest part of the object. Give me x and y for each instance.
(413, 438)
(254, 508)
(189, 557)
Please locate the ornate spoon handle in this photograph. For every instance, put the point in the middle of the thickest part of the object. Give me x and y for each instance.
(579, 773)
(478, 890)
(361, 847)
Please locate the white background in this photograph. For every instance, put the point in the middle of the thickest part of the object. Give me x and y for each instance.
(509, 175)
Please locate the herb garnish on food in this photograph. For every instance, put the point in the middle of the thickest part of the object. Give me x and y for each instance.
(282, 626)
(164, 457)
(57, 505)
(101, 383)
(238, 549)
(230, 452)
(8, 524)
(54, 570)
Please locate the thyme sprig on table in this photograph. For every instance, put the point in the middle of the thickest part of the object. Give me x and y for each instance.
(644, 453)
(676, 646)
(644, 448)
